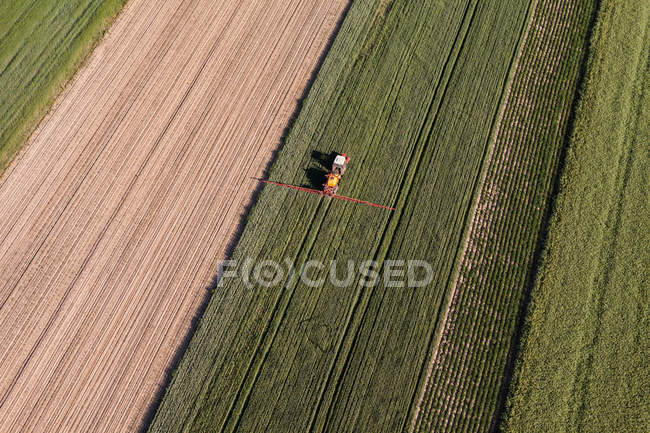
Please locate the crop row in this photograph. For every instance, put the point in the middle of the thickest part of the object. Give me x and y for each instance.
(465, 380)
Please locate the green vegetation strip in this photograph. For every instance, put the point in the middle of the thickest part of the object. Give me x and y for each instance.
(411, 90)
(468, 367)
(584, 366)
(42, 44)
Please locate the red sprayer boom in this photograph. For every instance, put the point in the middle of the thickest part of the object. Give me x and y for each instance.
(331, 185)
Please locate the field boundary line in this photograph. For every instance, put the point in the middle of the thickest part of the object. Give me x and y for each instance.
(234, 245)
(281, 304)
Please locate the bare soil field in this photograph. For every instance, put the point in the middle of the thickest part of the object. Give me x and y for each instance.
(116, 213)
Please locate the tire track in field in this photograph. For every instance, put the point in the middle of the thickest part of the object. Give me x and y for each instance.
(279, 311)
(307, 253)
(26, 9)
(444, 317)
(361, 304)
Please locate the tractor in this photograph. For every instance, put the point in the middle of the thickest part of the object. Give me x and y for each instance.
(334, 177)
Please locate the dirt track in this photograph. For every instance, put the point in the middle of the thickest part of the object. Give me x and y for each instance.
(114, 217)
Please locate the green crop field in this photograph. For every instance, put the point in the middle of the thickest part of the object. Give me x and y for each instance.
(413, 91)
(42, 44)
(584, 366)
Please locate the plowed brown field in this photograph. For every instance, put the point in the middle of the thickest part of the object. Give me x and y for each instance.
(114, 216)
